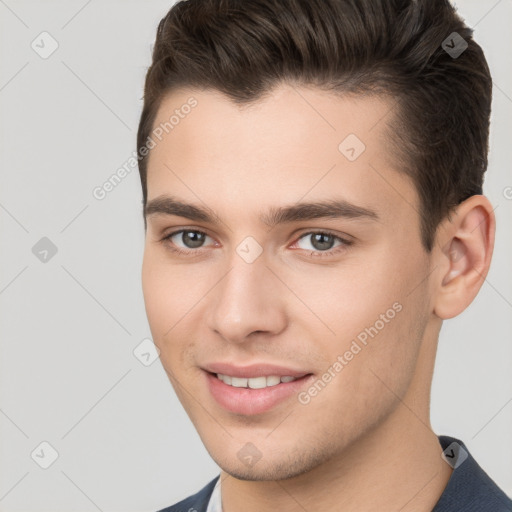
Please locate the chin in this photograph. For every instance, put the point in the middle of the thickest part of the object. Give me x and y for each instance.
(281, 468)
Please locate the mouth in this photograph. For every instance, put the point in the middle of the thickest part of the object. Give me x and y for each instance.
(254, 395)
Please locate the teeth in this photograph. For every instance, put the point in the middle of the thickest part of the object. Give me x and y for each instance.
(273, 380)
(257, 382)
(254, 382)
(238, 382)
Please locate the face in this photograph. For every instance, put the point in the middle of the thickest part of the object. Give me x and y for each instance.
(255, 284)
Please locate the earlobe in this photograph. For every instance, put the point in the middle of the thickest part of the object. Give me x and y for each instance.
(467, 241)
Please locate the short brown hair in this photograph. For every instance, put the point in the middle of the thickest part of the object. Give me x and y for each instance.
(244, 48)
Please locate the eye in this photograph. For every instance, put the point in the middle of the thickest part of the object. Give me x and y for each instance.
(190, 238)
(321, 242)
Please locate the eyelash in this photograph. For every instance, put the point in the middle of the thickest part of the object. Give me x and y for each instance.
(321, 254)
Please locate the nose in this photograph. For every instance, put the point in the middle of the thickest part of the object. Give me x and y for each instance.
(247, 300)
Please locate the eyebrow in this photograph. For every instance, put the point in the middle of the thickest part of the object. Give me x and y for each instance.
(328, 209)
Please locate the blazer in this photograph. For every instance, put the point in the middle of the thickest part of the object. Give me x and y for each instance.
(469, 489)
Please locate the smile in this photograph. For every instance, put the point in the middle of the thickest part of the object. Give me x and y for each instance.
(256, 394)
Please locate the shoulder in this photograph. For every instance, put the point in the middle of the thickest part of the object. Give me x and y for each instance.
(470, 488)
(195, 503)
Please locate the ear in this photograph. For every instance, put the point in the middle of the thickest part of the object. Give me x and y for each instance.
(465, 244)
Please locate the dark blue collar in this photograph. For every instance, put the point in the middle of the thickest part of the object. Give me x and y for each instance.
(470, 488)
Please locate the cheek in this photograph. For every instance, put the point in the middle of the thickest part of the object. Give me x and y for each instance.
(169, 289)
(165, 297)
(354, 301)
(156, 300)
(379, 317)
(172, 297)
(373, 373)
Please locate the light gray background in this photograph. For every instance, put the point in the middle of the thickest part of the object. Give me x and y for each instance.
(68, 374)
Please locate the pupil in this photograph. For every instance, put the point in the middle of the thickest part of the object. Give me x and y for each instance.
(193, 241)
(317, 241)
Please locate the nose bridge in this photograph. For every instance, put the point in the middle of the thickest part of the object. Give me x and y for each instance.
(244, 301)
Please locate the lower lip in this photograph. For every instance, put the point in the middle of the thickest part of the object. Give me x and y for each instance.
(249, 401)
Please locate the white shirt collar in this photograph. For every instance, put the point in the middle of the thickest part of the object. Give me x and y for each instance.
(215, 503)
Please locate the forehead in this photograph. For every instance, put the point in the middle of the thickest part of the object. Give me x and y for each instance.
(294, 144)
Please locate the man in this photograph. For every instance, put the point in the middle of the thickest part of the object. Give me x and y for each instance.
(312, 178)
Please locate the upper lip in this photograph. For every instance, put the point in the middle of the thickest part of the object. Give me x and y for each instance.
(253, 370)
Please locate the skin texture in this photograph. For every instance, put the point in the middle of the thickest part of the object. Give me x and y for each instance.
(364, 442)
